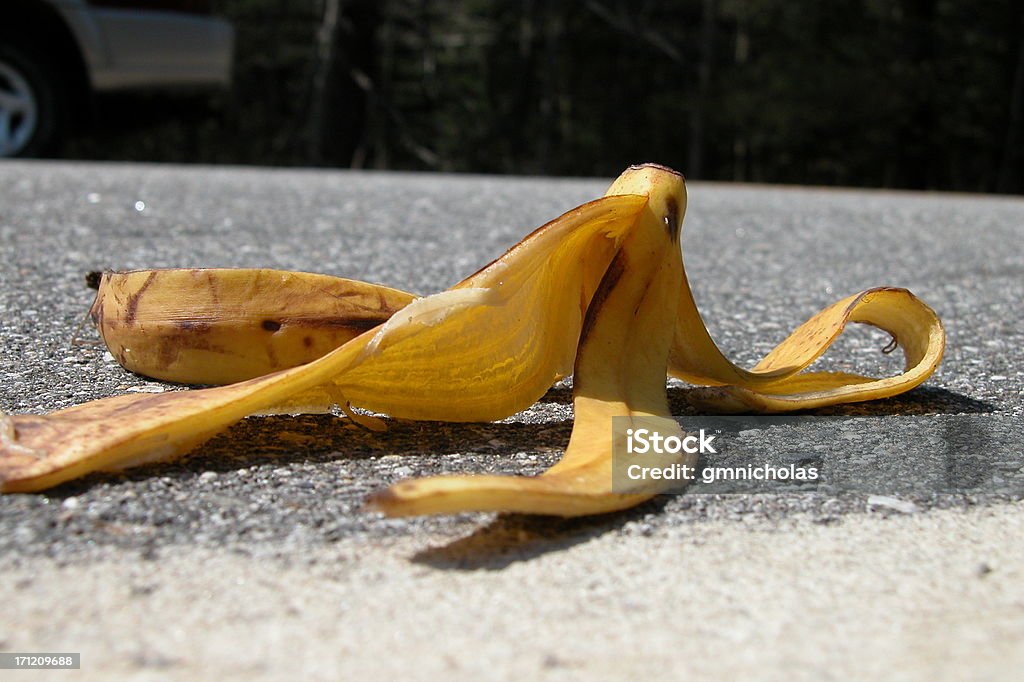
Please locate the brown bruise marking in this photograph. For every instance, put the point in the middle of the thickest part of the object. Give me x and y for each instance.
(307, 341)
(194, 326)
(212, 281)
(96, 311)
(611, 278)
(643, 297)
(360, 324)
(357, 324)
(672, 218)
(271, 325)
(167, 354)
(383, 304)
(362, 294)
(133, 299)
(272, 356)
(339, 295)
(171, 346)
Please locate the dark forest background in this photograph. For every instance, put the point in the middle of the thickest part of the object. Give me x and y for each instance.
(921, 94)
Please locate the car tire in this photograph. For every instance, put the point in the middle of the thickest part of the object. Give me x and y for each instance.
(33, 118)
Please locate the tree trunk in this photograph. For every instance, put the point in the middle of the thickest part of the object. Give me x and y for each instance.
(1011, 151)
(694, 166)
(343, 82)
(326, 39)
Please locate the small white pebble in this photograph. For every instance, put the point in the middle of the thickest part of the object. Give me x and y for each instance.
(140, 206)
(902, 506)
(207, 476)
(70, 503)
(150, 388)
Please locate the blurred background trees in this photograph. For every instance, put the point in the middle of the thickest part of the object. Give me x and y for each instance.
(922, 94)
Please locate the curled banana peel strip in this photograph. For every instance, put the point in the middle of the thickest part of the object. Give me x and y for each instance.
(599, 292)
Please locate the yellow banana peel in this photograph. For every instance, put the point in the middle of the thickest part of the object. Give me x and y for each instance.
(599, 292)
(219, 326)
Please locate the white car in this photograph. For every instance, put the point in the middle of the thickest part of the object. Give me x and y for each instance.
(56, 54)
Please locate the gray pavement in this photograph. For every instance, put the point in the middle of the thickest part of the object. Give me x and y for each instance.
(252, 558)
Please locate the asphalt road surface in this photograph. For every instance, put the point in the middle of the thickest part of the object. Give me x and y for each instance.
(251, 557)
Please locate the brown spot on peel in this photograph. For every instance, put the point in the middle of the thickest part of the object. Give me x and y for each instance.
(194, 326)
(612, 275)
(132, 309)
(672, 218)
(359, 324)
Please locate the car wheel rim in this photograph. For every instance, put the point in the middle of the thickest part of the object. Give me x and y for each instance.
(18, 111)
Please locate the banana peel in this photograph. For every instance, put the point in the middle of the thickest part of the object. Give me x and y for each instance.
(621, 357)
(599, 292)
(487, 348)
(221, 326)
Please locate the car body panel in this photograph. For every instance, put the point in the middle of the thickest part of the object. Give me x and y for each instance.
(140, 48)
(162, 48)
